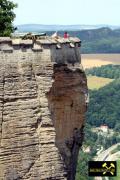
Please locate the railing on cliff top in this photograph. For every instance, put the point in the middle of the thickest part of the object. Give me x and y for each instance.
(37, 42)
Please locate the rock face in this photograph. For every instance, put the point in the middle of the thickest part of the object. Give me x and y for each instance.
(42, 108)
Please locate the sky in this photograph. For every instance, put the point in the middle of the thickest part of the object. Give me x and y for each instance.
(68, 12)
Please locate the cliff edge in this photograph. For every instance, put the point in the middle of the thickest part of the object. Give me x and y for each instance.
(43, 93)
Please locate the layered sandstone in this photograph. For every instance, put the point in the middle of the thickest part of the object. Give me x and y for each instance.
(42, 108)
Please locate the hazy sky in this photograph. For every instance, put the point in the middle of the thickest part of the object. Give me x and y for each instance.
(68, 12)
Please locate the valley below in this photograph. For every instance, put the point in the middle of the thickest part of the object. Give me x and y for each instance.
(103, 76)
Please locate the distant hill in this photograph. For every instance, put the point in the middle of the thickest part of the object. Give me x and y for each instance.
(41, 27)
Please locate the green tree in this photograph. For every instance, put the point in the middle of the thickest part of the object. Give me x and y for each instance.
(6, 17)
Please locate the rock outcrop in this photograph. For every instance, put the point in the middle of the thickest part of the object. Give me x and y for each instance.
(42, 108)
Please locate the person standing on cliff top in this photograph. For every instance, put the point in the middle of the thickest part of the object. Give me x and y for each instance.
(66, 35)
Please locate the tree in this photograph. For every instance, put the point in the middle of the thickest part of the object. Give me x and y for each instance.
(6, 17)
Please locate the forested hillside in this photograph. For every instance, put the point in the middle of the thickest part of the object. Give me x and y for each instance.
(103, 40)
(105, 102)
(108, 71)
(103, 109)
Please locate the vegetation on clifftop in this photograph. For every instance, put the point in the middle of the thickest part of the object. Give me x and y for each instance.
(6, 17)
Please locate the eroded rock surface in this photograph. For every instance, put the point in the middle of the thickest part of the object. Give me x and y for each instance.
(42, 109)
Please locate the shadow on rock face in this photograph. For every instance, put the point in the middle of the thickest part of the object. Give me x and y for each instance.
(67, 107)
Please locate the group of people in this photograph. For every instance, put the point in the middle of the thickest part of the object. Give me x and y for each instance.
(66, 35)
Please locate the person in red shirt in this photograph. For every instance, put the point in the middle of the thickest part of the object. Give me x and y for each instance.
(66, 35)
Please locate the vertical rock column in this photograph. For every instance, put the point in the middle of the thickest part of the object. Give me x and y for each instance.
(67, 106)
(42, 111)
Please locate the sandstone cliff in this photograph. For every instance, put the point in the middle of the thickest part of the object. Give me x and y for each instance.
(42, 109)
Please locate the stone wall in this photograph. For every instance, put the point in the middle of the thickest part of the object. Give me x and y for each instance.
(42, 112)
(45, 50)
